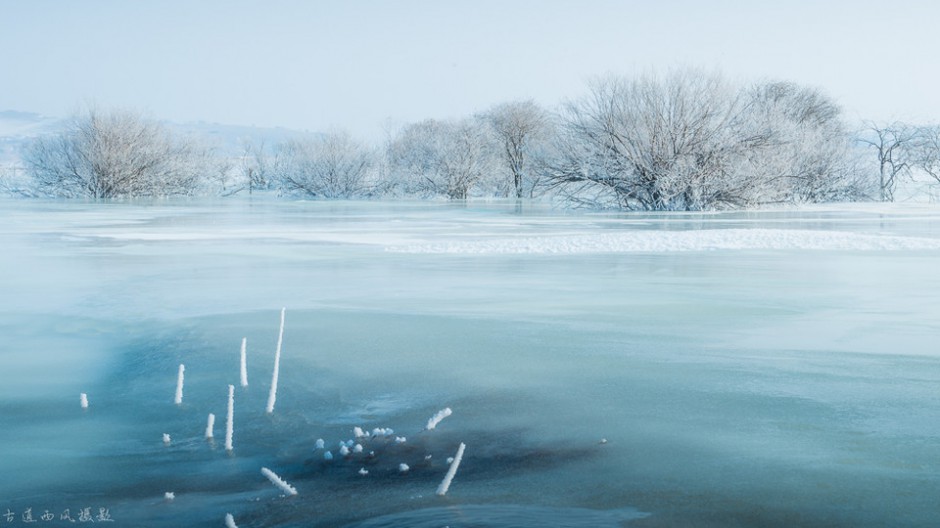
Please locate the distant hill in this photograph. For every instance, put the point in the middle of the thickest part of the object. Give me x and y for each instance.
(18, 128)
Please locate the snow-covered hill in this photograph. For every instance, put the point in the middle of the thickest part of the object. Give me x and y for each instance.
(18, 128)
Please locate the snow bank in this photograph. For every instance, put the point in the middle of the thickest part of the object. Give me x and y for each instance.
(648, 241)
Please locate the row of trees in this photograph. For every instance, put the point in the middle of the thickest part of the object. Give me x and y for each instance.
(903, 150)
(685, 141)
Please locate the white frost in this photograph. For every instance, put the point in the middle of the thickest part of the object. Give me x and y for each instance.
(244, 362)
(179, 385)
(436, 419)
(230, 418)
(272, 396)
(445, 484)
(278, 481)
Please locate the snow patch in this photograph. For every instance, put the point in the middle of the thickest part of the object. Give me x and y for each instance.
(674, 241)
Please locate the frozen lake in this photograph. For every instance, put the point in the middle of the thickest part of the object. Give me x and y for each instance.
(650, 370)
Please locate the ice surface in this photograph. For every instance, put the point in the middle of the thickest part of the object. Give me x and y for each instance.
(773, 368)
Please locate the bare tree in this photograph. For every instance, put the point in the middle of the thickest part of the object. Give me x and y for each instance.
(256, 167)
(331, 166)
(808, 156)
(926, 151)
(116, 153)
(657, 144)
(892, 144)
(518, 126)
(15, 182)
(440, 158)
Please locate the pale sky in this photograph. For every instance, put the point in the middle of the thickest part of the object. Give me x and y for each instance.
(315, 65)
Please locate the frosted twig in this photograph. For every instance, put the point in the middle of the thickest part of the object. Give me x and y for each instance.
(179, 385)
(278, 481)
(83, 399)
(445, 484)
(244, 366)
(272, 397)
(230, 418)
(230, 521)
(436, 419)
(210, 424)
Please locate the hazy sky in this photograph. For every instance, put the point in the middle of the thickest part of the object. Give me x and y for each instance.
(358, 64)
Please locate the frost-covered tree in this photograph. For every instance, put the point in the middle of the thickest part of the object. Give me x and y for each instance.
(105, 154)
(431, 158)
(331, 166)
(893, 147)
(808, 155)
(519, 128)
(692, 141)
(926, 151)
(256, 167)
(672, 143)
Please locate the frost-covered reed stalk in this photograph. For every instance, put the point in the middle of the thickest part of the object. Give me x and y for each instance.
(179, 385)
(83, 399)
(278, 481)
(244, 369)
(277, 365)
(209, 426)
(230, 521)
(445, 484)
(436, 419)
(230, 418)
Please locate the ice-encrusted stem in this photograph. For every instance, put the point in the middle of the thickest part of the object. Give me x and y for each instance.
(278, 481)
(209, 426)
(179, 385)
(244, 362)
(230, 418)
(230, 521)
(445, 484)
(277, 365)
(436, 419)
(83, 399)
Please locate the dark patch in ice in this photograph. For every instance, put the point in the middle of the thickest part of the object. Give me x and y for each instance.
(490, 455)
(503, 516)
